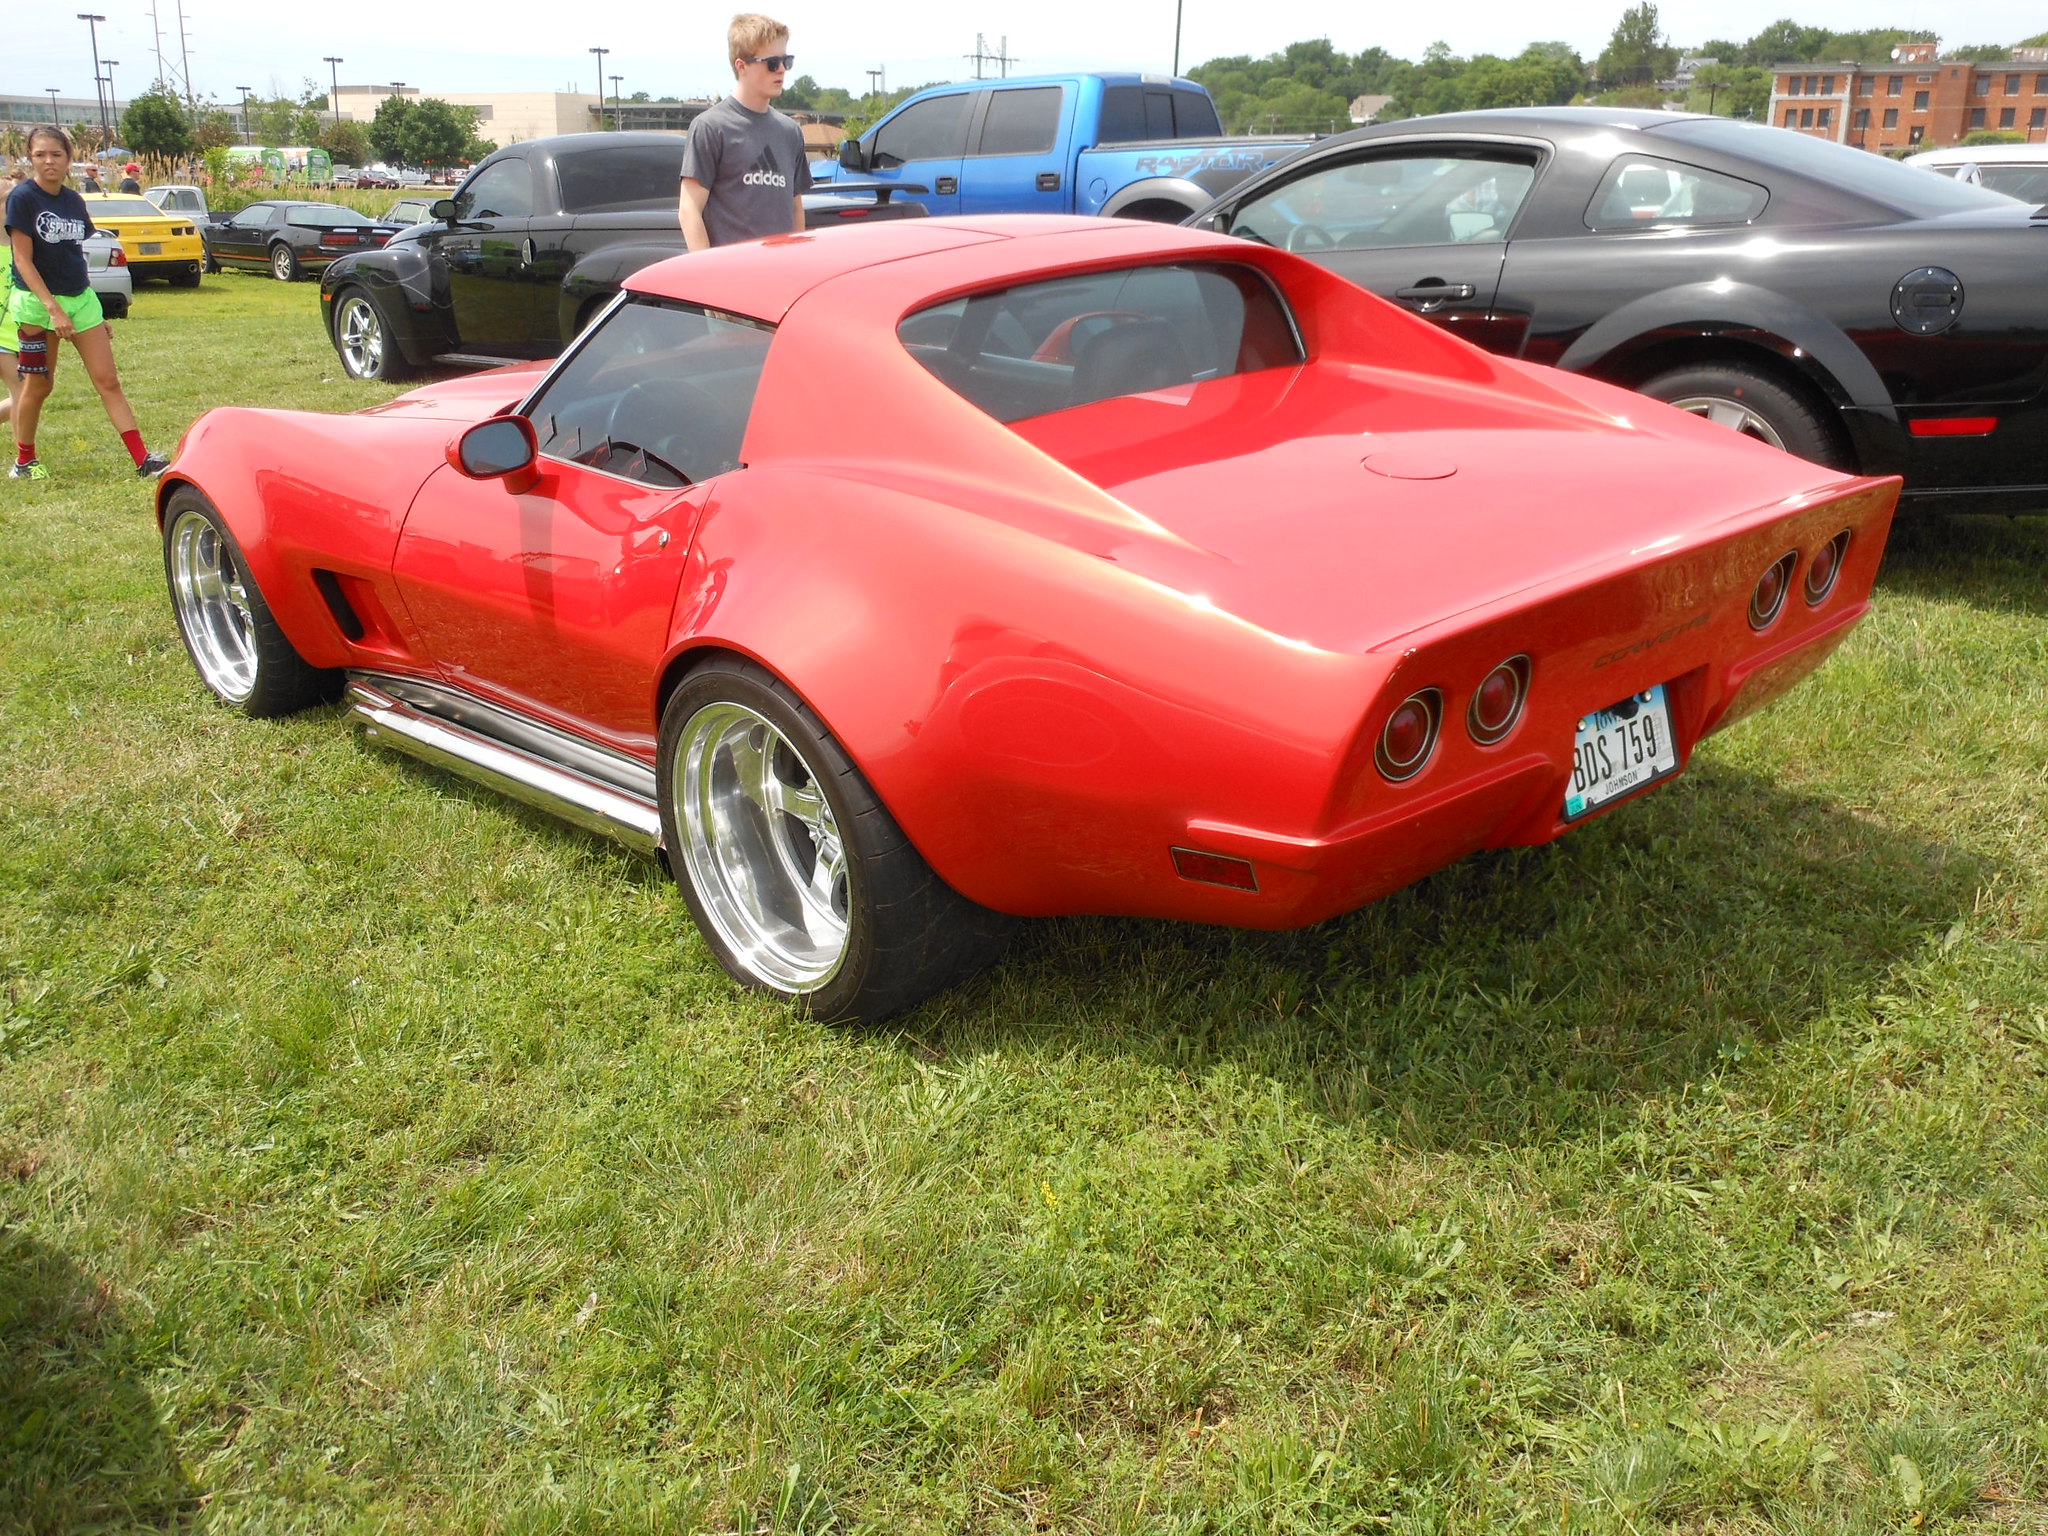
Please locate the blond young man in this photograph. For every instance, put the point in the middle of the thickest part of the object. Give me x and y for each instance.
(744, 171)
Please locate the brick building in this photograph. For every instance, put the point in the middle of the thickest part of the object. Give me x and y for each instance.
(1916, 100)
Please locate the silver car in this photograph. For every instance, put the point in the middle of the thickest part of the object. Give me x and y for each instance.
(106, 268)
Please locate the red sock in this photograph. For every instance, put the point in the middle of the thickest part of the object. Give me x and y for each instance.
(24, 453)
(132, 441)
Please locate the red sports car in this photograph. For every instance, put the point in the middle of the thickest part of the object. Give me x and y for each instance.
(897, 581)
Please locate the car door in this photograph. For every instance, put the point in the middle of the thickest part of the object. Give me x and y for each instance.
(244, 239)
(921, 145)
(555, 600)
(487, 254)
(1019, 146)
(1422, 223)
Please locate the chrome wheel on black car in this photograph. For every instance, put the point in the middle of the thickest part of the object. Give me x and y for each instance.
(361, 338)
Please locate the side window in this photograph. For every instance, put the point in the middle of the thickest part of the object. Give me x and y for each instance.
(1420, 199)
(659, 393)
(1641, 193)
(1042, 347)
(1021, 122)
(258, 216)
(501, 190)
(926, 130)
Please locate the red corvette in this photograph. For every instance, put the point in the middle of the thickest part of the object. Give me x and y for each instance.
(896, 581)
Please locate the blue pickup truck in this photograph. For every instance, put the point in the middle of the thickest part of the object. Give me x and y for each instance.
(1139, 146)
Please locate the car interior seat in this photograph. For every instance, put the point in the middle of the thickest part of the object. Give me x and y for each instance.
(1130, 359)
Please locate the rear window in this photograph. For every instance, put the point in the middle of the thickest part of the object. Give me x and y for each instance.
(628, 176)
(124, 208)
(1043, 347)
(330, 217)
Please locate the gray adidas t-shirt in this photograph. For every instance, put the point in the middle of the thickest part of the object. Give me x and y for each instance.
(754, 164)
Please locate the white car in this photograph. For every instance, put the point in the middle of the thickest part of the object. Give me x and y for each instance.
(2017, 170)
(106, 269)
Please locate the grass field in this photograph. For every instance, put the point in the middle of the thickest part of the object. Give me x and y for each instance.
(378, 1156)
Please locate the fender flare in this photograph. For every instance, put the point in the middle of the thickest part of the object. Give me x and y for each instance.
(1158, 189)
(601, 274)
(1809, 342)
(401, 283)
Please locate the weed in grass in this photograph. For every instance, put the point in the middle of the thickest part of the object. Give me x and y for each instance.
(378, 1155)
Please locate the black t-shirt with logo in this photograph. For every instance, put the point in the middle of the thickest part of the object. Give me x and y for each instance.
(754, 164)
(57, 223)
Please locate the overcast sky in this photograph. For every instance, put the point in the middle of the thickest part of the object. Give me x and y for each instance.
(536, 45)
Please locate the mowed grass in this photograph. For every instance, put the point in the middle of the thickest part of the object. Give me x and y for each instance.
(376, 1155)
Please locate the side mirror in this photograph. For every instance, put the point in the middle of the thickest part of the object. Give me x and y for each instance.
(851, 156)
(503, 448)
(443, 209)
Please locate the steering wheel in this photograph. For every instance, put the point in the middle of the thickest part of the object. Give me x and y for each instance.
(671, 421)
(1304, 238)
(1059, 346)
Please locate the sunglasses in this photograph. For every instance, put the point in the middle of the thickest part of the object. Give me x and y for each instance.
(781, 61)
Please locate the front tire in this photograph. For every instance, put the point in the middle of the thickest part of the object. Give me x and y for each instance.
(226, 625)
(284, 263)
(364, 341)
(1754, 404)
(800, 880)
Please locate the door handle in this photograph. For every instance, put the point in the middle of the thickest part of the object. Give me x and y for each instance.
(947, 185)
(1434, 291)
(526, 251)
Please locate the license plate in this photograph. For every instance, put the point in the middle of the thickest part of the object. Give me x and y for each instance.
(152, 247)
(1620, 748)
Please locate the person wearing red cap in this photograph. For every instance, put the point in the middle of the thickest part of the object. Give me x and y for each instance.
(128, 182)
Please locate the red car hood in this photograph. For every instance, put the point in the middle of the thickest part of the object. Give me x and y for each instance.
(472, 397)
(1332, 504)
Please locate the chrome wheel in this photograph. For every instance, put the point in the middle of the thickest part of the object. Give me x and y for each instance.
(760, 845)
(284, 264)
(1733, 415)
(359, 337)
(213, 606)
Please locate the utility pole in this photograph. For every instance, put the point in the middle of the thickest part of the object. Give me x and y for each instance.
(92, 25)
(981, 56)
(113, 106)
(156, 31)
(616, 124)
(334, 79)
(881, 75)
(184, 50)
(600, 52)
(247, 136)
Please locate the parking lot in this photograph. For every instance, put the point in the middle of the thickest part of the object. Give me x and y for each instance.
(377, 1152)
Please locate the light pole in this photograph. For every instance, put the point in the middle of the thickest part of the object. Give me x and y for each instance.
(113, 106)
(334, 78)
(247, 137)
(53, 102)
(616, 124)
(1176, 38)
(92, 25)
(600, 52)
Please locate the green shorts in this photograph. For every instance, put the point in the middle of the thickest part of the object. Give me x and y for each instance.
(24, 308)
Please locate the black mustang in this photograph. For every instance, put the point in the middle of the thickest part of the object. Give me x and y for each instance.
(1828, 301)
(534, 242)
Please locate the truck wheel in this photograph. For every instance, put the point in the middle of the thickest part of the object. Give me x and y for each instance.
(1753, 403)
(364, 341)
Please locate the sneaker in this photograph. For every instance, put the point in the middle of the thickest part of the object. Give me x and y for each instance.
(152, 465)
(32, 470)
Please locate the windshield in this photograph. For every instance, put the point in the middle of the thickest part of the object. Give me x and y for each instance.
(125, 208)
(1906, 188)
(327, 216)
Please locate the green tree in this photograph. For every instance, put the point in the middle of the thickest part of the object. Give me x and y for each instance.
(1637, 54)
(800, 95)
(346, 143)
(155, 124)
(1992, 136)
(438, 135)
(1730, 90)
(213, 128)
(387, 129)
(278, 120)
(1983, 53)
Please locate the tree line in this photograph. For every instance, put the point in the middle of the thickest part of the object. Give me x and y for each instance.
(429, 133)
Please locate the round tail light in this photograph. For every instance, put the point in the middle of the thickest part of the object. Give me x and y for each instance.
(1825, 566)
(1409, 735)
(1497, 701)
(1768, 600)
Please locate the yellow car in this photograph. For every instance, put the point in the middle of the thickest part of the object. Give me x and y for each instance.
(159, 244)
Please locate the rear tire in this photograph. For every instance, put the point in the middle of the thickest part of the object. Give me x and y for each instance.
(227, 627)
(1755, 404)
(284, 263)
(800, 880)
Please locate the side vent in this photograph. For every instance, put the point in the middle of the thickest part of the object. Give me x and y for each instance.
(345, 616)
